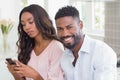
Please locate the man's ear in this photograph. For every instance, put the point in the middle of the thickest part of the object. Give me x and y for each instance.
(81, 24)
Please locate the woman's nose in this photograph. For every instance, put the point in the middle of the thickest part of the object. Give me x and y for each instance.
(27, 26)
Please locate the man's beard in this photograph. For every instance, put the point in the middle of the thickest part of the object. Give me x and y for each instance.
(72, 45)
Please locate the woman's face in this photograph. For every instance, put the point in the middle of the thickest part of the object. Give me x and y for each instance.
(27, 20)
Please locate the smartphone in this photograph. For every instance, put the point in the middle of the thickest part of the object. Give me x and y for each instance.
(10, 61)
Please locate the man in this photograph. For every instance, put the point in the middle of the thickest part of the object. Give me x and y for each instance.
(84, 58)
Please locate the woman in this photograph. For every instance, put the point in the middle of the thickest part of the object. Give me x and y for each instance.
(38, 47)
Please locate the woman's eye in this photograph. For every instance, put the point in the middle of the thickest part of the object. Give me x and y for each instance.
(23, 24)
(59, 29)
(31, 22)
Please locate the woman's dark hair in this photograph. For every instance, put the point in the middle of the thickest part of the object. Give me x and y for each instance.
(67, 11)
(44, 25)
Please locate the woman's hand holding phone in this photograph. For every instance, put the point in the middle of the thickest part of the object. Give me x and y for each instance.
(11, 65)
(10, 61)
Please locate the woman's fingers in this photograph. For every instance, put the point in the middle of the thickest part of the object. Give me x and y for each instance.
(18, 63)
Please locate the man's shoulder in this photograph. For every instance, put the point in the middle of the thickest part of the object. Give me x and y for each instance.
(101, 46)
(99, 43)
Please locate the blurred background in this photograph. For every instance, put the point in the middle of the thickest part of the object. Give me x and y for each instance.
(100, 18)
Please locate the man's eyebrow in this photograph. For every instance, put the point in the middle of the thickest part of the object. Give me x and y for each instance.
(65, 26)
(68, 25)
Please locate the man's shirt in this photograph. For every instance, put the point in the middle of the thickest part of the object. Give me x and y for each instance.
(96, 61)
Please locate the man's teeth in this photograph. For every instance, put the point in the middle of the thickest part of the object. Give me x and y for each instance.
(67, 39)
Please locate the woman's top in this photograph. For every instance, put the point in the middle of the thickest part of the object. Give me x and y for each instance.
(48, 62)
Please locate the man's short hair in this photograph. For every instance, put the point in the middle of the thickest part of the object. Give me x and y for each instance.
(67, 11)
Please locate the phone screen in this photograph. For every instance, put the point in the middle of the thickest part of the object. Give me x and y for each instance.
(10, 61)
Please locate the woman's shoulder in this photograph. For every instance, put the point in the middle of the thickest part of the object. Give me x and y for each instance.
(57, 43)
(56, 48)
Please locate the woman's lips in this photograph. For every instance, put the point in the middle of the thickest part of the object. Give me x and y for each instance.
(29, 32)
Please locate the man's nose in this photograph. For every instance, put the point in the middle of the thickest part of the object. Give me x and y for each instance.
(65, 32)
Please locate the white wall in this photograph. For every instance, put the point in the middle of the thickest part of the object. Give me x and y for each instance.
(9, 9)
(52, 9)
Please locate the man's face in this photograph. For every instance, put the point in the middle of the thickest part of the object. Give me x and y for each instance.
(69, 31)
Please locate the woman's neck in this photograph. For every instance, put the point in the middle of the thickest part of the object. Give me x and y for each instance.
(40, 46)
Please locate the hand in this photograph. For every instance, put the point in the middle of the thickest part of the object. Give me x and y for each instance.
(25, 70)
(10, 67)
(12, 70)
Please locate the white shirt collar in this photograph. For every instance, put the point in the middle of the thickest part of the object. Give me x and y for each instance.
(86, 45)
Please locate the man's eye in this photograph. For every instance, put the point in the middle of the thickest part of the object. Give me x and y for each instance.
(69, 27)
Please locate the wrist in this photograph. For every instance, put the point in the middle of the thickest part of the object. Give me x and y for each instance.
(37, 77)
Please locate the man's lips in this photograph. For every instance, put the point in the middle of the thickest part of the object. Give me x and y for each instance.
(67, 39)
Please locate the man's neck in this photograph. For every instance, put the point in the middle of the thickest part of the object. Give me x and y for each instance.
(77, 48)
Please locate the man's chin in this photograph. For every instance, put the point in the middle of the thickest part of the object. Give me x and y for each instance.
(68, 46)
